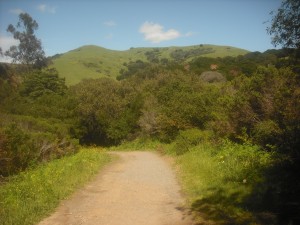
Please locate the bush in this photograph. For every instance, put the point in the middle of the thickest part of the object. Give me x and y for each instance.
(212, 76)
(17, 150)
(242, 163)
(266, 133)
(219, 181)
(26, 141)
(190, 138)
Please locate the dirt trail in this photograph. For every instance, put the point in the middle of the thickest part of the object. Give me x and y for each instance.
(138, 189)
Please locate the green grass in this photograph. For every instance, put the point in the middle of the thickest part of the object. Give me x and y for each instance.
(34, 194)
(95, 62)
(139, 144)
(219, 181)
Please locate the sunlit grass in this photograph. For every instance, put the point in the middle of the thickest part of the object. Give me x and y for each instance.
(31, 195)
(96, 62)
(219, 181)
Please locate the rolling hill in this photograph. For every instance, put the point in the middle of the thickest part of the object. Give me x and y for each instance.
(94, 62)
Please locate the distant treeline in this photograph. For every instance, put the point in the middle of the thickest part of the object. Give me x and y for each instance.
(257, 103)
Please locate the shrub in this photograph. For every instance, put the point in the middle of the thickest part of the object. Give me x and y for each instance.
(25, 141)
(190, 138)
(212, 76)
(220, 180)
(266, 133)
(17, 150)
(242, 162)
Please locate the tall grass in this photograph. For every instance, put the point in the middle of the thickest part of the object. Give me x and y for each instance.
(31, 195)
(219, 181)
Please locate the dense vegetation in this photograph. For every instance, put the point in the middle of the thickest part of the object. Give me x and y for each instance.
(238, 116)
(256, 103)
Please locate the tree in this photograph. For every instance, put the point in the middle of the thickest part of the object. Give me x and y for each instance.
(108, 110)
(285, 27)
(29, 51)
(42, 82)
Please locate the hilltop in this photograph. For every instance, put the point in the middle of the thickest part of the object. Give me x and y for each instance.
(94, 62)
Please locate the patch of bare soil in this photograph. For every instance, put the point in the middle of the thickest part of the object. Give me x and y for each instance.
(138, 189)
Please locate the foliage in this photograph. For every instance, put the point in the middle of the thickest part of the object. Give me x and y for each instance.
(38, 83)
(232, 67)
(190, 138)
(132, 68)
(261, 103)
(29, 51)
(180, 55)
(285, 24)
(138, 144)
(219, 181)
(212, 76)
(108, 111)
(9, 80)
(17, 150)
(96, 62)
(266, 133)
(32, 195)
(26, 141)
(153, 56)
(36, 119)
(166, 95)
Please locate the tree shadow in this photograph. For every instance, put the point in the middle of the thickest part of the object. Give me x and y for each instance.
(275, 201)
(279, 193)
(221, 208)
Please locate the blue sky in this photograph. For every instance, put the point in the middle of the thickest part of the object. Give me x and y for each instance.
(115, 24)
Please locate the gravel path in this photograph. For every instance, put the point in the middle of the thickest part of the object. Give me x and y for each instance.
(138, 189)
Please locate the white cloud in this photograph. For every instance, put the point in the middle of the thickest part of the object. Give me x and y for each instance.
(154, 32)
(110, 23)
(16, 11)
(46, 8)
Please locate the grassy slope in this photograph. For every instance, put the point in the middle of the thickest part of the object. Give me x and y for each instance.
(95, 62)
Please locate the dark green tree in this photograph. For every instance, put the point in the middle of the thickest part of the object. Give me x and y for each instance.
(42, 82)
(29, 51)
(285, 27)
(108, 110)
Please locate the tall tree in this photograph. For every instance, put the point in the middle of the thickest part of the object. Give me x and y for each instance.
(285, 27)
(43, 82)
(29, 51)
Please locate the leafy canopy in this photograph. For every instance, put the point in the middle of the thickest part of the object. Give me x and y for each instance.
(41, 82)
(285, 27)
(29, 51)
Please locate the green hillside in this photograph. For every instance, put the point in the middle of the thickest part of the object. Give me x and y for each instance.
(94, 62)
